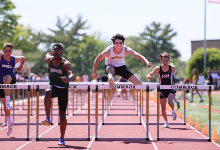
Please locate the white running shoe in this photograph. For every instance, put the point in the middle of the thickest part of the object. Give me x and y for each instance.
(174, 115)
(10, 129)
(8, 107)
(166, 125)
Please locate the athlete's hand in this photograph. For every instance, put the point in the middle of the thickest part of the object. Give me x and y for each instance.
(64, 79)
(94, 76)
(149, 64)
(148, 77)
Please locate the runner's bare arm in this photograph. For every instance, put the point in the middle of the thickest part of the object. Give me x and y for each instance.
(48, 57)
(20, 59)
(173, 68)
(135, 54)
(101, 56)
(152, 73)
(67, 67)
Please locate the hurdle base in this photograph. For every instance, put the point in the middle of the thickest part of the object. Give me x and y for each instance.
(121, 123)
(66, 139)
(184, 139)
(16, 139)
(121, 139)
(122, 114)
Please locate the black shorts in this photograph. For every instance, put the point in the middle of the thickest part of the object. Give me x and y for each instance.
(122, 71)
(164, 93)
(2, 92)
(62, 94)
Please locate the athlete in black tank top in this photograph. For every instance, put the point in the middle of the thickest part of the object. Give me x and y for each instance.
(165, 73)
(166, 78)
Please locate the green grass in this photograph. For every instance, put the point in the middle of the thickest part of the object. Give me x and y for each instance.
(203, 114)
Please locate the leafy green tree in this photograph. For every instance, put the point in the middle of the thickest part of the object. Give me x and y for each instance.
(196, 61)
(157, 40)
(8, 20)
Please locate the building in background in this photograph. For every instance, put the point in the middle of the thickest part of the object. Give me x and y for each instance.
(209, 43)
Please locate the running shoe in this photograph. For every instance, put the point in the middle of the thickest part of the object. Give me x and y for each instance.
(61, 142)
(174, 115)
(10, 129)
(191, 101)
(166, 125)
(46, 122)
(8, 107)
(201, 100)
(112, 84)
(178, 105)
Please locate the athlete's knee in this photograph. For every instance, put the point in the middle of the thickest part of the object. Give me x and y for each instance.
(3, 100)
(110, 69)
(48, 92)
(62, 115)
(7, 79)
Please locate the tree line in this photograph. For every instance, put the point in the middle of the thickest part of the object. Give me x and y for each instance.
(80, 48)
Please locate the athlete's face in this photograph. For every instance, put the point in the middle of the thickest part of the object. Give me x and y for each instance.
(57, 53)
(165, 61)
(7, 52)
(118, 44)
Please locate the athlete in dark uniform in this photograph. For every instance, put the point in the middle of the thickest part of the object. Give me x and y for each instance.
(7, 76)
(165, 73)
(60, 74)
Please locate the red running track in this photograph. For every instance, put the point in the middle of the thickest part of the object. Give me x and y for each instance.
(175, 131)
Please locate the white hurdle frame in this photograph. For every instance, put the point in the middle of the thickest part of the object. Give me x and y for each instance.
(207, 87)
(17, 86)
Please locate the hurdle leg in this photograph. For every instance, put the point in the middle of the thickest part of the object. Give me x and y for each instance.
(73, 100)
(23, 98)
(210, 113)
(51, 111)
(96, 114)
(13, 105)
(103, 92)
(37, 114)
(147, 112)
(184, 107)
(28, 115)
(140, 105)
(158, 111)
(88, 112)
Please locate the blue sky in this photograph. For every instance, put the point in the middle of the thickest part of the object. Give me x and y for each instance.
(128, 17)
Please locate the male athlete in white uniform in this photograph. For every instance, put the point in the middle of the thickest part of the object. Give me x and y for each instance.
(114, 61)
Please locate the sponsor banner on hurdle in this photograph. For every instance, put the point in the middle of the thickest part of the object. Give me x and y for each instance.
(182, 86)
(14, 86)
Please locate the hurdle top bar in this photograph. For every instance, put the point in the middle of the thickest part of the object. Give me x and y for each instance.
(101, 85)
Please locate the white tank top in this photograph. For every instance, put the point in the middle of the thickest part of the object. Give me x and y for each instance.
(115, 60)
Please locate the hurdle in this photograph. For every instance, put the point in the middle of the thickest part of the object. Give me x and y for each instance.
(115, 138)
(55, 139)
(14, 86)
(210, 87)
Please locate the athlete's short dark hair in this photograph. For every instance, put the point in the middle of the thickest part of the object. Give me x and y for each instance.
(57, 46)
(118, 36)
(164, 55)
(8, 45)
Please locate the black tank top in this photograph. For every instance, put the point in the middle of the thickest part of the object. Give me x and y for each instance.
(166, 78)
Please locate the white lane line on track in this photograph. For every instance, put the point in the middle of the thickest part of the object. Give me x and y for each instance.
(93, 138)
(48, 129)
(200, 133)
(150, 137)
